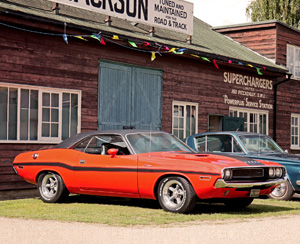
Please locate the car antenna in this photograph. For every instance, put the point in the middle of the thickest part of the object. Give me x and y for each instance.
(150, 141)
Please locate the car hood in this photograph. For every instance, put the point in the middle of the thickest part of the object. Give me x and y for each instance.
(219, 160)
(276, 157)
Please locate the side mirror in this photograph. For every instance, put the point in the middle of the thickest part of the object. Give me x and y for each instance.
(112, 152)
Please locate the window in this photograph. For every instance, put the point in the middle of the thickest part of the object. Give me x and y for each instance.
(38, 114)
(293, 60)
(295, 119)
(255, 120)
(185, 119)
(217, 143)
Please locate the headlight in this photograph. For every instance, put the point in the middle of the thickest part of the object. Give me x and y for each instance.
(227, 174)
(271, 172)
(278, 172)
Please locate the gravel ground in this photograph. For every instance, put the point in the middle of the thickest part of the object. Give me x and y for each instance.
(266, 230)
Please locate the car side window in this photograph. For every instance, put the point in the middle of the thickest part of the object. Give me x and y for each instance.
(100, 144)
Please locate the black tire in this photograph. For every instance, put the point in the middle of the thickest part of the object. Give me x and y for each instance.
(51, 188)
(238, 203)
(175, 194)
(284, 191)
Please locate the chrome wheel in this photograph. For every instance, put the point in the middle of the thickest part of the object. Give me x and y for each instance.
(174, 194)
(49, 186)
(280, 190)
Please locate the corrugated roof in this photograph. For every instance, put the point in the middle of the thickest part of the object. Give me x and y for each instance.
(205, 40)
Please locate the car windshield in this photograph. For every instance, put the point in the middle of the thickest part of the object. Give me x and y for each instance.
(260, 144)
(156, 142)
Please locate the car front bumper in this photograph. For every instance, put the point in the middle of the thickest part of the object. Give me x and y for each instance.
(220, 183)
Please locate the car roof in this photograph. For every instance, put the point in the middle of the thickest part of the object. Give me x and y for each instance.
(237, 133)
(78, 137)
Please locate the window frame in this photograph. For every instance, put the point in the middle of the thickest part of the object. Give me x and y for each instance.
(184, 104)
(292, 65)
(42, 89)
(258, 114)
(295, 146)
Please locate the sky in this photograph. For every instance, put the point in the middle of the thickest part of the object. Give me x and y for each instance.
(221, 12)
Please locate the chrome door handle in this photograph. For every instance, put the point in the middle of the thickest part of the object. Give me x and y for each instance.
(82, 161)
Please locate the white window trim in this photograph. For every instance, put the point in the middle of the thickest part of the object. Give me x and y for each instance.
(294, 61)
(295, 147)
(181, 103)
(248, 111)
(40, 139)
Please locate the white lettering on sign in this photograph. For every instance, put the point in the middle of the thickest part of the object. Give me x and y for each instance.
(247, 103)
(175, 15)
(246, 80)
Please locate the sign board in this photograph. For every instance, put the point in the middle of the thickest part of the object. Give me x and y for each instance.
(175, 15)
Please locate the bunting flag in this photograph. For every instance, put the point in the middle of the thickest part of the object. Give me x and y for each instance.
(132, 43)
(81, 38)
(102, 41)
(109, 37)
(258, 71)
(194, 55)
(172, 50)
(65, 37)
(153, 56)
(215, 63)
(206, 59)
(96, 36)
(181, 50)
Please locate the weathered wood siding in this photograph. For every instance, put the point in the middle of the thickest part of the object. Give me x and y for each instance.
(261, 39)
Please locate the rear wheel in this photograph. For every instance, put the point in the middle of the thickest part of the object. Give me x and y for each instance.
(51, 188)
(282, 192)
(175, 194)
(238, 203)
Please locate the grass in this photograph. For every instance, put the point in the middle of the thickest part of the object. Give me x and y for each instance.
(132, 212)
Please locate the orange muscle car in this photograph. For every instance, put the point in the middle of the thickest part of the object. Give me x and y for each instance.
(145, 164)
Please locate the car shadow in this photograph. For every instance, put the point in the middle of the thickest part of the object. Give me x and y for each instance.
(201, 208)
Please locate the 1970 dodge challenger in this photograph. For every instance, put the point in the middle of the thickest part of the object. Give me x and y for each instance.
(254, 146)
(145, 164)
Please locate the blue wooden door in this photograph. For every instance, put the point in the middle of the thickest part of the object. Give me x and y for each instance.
(129, 97)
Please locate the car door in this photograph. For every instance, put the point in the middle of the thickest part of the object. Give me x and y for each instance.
(96, 171)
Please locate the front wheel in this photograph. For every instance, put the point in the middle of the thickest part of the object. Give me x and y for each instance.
(282, 192)
(175, 194)
(51, 187)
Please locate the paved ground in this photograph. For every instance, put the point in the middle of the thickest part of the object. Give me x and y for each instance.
(267, 230)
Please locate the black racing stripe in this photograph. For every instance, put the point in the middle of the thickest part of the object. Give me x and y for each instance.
(99, 169)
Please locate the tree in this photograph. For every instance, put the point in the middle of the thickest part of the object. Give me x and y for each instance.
(287, 11)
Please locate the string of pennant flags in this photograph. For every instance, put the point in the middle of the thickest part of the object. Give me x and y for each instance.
(134, 45)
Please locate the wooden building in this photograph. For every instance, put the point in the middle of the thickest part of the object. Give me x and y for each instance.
(67, 70)
(280, 43)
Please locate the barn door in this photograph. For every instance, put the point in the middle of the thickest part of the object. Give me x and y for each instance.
(129, 97)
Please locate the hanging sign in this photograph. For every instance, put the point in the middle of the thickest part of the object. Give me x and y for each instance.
(175, 15)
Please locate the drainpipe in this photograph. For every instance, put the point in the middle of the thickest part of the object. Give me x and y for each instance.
(275, 105)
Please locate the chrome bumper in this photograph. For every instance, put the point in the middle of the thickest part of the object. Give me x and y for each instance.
(222, 184)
